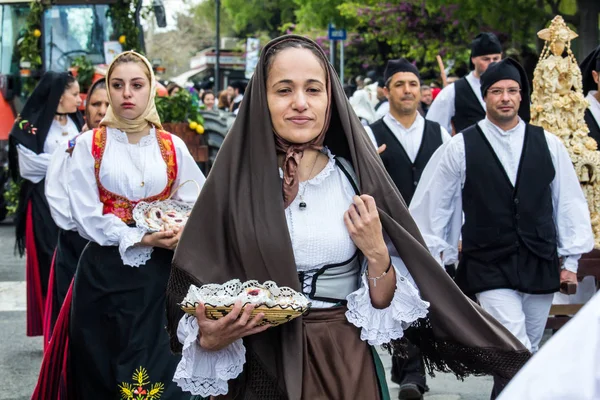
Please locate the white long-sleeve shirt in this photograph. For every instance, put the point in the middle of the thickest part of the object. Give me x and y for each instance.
(438, 199)
(319, 237)
(594, 105)
(33, 166)
(57, 190)
(442, 109)
(123, 167)
(410, 138)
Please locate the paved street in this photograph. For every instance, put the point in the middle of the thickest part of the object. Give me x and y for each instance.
(20, 356)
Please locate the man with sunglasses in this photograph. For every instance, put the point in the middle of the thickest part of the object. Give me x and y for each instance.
(523, 209)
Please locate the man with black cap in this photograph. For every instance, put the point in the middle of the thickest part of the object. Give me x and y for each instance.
(410, 141)
(590, 72)
(460, 104)
(239, 87)
(522, 203)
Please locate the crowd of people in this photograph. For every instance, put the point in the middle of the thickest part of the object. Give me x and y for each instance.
(436, 222)
(227, 100)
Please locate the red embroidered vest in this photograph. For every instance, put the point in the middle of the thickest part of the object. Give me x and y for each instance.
(119, 205)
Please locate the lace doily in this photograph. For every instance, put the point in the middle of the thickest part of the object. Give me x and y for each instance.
(250, 292)
(161, 215)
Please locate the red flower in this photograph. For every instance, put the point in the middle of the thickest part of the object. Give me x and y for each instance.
(140, 390)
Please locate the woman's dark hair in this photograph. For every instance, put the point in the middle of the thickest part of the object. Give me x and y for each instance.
(171, 87)
(205, 94)
(291, 44)
(70, 80)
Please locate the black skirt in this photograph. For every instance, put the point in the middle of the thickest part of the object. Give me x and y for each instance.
(68, 250)
(118, 342)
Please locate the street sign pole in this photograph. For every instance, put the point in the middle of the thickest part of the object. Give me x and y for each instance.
(331, 51)
(339, 35)
(342, 61)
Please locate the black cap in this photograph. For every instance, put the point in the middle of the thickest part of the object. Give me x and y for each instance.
(591, 63)
(485, 43)
(399, 65)
(508, 69)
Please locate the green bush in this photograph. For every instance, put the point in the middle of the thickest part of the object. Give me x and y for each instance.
(179, 107)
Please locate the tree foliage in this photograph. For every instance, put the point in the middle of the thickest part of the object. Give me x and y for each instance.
(415, 29)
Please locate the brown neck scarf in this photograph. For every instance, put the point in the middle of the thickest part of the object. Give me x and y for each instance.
(238, 230)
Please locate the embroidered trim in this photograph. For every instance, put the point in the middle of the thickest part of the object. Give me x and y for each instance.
(120, 205)
(141, 388)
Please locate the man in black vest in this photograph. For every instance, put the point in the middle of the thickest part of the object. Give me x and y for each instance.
(590, 71)
(523, 209)
(460, 104)
(410, 141)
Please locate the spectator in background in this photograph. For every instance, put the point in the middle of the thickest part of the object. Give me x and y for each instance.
(383, 106)
(224, 102)
(426, 99)
(239, 87)
(173, 88)
(208, 100)
(360, 82)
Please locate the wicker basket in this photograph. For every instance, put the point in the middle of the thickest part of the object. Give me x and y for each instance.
(282, 304)
(274, 316)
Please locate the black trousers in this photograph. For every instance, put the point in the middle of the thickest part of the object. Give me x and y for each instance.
(410, 369)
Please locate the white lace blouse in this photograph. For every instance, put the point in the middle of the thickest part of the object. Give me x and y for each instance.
(319, 237)
(124, 167)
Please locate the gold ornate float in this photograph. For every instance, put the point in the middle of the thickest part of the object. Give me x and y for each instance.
(558, 106)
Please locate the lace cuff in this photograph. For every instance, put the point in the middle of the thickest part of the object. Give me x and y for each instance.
(131, 254)
(203, 372)
(379, 326)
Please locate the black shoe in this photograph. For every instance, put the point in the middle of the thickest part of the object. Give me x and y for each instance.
(410, 391)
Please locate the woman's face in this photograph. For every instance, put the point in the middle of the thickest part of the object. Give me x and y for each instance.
(129, 90)
(297, 95)
(70, 100)
(96, 107)
(209, 101)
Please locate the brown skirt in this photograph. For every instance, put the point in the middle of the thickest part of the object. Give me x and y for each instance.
(337, 364)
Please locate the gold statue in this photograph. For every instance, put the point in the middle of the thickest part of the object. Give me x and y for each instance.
(558, 106)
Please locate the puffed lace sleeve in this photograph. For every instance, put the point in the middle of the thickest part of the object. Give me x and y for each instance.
(204, 372)
(86, 209)
(379, 326)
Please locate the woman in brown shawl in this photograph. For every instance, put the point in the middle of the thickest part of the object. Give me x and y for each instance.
(293, 107)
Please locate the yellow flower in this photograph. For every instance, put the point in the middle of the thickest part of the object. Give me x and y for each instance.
(37, 33)
(193, 125)
(122, 39)
(200, 129)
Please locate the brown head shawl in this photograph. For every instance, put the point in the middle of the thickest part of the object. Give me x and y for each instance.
(238, 230)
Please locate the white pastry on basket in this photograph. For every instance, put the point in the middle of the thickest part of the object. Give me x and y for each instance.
(256, 296)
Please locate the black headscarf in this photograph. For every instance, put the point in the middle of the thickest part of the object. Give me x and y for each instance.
(33, 123)
(485, 43)
(30, 130)
(238, 230)
(591, 63)
(508, 69)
